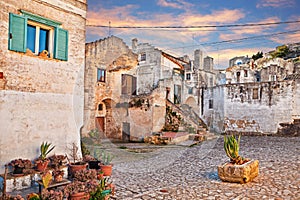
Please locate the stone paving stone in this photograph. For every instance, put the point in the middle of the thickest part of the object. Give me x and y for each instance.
(191, 172)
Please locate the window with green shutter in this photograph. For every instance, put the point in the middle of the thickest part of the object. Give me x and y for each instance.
(37, 34)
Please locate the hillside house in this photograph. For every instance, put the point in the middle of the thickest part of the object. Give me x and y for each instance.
(41, 76)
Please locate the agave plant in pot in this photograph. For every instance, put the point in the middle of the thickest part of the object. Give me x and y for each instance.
(42, 161)
(239, 169)
(106, 165)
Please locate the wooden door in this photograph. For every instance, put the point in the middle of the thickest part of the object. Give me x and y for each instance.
(126, 132)
(100, 125)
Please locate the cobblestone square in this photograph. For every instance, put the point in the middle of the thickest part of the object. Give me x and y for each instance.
(178, 172)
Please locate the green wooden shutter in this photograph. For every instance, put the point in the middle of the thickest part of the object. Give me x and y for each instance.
(17, 33)
(61, 44)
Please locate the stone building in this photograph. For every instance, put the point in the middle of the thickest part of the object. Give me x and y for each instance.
(112, 103)
(41, 75)
(259, 102)
(127, 91)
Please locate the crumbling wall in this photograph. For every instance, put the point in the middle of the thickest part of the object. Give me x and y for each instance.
(253, 107)
(257, 107)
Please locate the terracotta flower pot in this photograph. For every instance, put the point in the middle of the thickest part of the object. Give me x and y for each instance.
(42, 165)
(74, 167)
(79, 196)
(107, 169)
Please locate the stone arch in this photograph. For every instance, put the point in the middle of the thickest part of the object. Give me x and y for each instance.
(192, 102)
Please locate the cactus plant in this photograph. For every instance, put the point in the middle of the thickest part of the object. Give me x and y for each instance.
(231, 147)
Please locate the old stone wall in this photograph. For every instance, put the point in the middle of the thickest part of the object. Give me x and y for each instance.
(255, 107)
(42, 99)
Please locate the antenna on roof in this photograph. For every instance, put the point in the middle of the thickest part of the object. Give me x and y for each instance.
(109, 33)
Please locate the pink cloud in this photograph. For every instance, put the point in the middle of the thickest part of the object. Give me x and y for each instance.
(275, 3)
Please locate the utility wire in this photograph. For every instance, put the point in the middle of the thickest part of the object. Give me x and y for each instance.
(200, 26)
(239, 39)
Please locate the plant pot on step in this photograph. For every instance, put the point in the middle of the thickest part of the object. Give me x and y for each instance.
(94, 164)
(79, 196)
(74, 167)
(239, 173)
(41, 165)
(106, 169)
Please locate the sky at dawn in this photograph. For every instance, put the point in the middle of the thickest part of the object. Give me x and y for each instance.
(223, 29)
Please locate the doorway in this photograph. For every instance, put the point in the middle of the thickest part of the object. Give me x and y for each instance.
(126, 132)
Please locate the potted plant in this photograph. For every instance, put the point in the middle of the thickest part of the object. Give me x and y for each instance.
(76, 164)
(102, 191)
(33, 196)
(106, 165)
(93, 163)
(21, 166)
(85, 175)
(57, 161)
(239, 169)
(77, 190)
(52, 194)
(42, 161)
(58, 175)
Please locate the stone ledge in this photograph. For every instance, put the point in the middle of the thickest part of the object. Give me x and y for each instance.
(14, 183)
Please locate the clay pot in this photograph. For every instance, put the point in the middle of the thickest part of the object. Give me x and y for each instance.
(79, 196)
(74, 167)
(107, 169)
(42, 165)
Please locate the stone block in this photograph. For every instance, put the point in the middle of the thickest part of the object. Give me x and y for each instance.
(239, 173)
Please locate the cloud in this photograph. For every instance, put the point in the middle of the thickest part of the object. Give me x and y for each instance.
(276, 3)
(255, 30)
(178, 4)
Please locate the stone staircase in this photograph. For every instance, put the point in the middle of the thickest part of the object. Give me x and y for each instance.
(189, 117)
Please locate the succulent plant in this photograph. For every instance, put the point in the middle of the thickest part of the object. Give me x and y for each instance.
(45, 150)
(231, 147)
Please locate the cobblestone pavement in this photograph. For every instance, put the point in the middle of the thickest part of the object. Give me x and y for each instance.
(178, 172)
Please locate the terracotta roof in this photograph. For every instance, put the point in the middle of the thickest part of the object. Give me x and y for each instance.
(175, 60)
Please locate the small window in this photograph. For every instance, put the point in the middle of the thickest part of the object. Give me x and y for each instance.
(188, 76)
(143, 56)
(100, 107)
(37, 34)
(101, 75)
(128, 84)
(190, 91)
(255, 93)
(245, 73)
(210, 104)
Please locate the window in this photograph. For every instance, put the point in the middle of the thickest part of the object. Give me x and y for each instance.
(190, 91)
(101, 75)
(177, 94)
(36, 33)
(255, 93)
(188, 76)
(100, 107)
(143, 56)
(245, 73)
(128, 84)
(210, 104)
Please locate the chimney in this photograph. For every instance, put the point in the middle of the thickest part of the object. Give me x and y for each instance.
(134, 44)
(198, 59)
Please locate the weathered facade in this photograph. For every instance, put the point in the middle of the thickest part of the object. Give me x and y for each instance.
(41, 84)
(111, 101)
(126, 91)
(257, 106)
